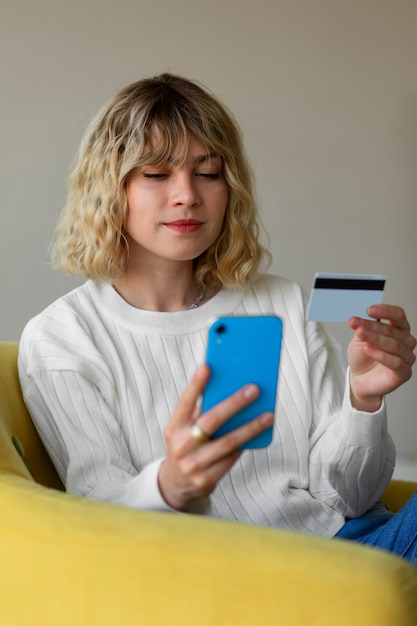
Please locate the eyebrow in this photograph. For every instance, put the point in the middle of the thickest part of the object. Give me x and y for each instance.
(206, 157)
(200, 158)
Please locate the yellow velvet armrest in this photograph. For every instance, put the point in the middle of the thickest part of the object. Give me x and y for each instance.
(21, 450)
(397, 493)
(73, 562)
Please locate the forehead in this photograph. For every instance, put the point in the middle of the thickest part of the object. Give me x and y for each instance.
(159, 149)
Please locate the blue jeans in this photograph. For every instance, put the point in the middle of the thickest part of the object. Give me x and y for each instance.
(379, 527)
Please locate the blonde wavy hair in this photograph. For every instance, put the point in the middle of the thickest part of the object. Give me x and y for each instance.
(89, 237)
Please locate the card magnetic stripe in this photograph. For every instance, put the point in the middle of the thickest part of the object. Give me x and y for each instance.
(349, 284)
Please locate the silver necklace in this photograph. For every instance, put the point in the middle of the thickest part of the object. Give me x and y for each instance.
(198, 299)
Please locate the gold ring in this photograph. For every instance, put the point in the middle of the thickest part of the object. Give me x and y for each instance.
(198, 433)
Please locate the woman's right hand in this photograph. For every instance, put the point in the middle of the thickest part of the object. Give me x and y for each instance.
(192, 467)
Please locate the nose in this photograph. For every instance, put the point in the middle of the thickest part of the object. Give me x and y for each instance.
(184, 190)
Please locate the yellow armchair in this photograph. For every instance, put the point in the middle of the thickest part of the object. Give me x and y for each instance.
(70, 561)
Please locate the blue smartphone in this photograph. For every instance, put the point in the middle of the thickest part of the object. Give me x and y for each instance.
(243, 350)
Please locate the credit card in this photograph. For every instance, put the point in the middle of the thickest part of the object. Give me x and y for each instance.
(336, 297)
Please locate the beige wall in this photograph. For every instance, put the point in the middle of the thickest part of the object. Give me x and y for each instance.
(325, 90)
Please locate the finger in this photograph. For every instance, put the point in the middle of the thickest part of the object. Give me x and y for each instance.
(394, 362)
(198, 433)
(386, 337)
(395, 315)
(209, 422)
(211, 452)
(378, 344)
(204, 480)
(196, 412)
(236, 438)
(186, 408)
(392, 315)
(395, 318)
(221, 412)
(207, 464)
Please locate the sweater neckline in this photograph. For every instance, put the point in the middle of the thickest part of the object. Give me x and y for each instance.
(111, 304)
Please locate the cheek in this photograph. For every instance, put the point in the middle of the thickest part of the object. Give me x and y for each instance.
(136, 206)
(133, 198)
(220, 218)
(222, 199)
(133, 218)
(222, 208)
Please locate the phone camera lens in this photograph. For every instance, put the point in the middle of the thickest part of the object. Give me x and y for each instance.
(221, 328)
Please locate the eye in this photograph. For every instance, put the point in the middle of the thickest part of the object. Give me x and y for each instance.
(155, 175)
(209, 175)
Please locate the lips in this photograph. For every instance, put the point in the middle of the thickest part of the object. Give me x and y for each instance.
(185, 226)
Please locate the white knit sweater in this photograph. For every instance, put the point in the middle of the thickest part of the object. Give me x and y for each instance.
(102, 378)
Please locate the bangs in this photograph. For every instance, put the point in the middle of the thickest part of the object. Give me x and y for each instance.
(168, 145)
(164, 128)
(161, 144)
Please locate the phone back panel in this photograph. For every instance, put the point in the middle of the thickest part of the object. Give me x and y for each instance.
(244, 350)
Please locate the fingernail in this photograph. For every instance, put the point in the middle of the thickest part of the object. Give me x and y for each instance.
(267, 418)
(201, 371)
(250, 391)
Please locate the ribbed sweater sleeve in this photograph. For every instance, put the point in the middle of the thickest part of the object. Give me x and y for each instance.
(87, 445)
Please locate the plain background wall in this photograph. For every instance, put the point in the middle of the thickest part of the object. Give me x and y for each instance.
(324, 90)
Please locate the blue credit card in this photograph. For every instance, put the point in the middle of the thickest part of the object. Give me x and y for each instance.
(336, 297)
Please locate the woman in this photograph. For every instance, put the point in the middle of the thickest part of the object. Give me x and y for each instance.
(160, 218)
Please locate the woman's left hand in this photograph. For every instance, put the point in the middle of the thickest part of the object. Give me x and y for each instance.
(380, 355)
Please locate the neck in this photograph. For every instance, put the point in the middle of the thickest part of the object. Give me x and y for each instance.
(153, 290)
